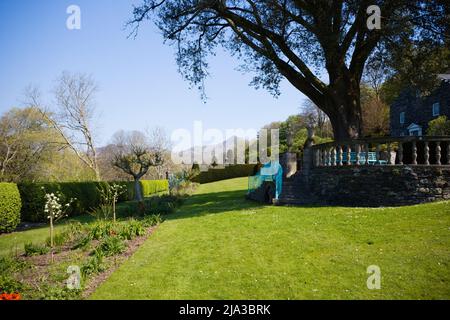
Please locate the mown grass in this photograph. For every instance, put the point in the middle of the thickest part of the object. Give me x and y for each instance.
(221, 246)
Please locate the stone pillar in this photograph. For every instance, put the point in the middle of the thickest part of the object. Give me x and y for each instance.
(308, 154)
(288, 162)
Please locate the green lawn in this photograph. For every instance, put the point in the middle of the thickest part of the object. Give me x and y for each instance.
(220, 246)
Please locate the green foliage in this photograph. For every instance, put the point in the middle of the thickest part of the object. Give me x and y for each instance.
(439, 127)
(35, 249)
(56, 292)
(229, 172)
(152, 220)
(150, 187)
(59, 239)
(8, 266)
(87, 196)
(102, 212)
(133, 228)
(102, 229)
(111, 246)
(93, 265)
(9, 284)
(10, 205)
(82, 242)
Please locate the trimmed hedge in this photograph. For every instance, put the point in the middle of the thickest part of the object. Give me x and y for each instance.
(230, 172)
(150, 187)
(10, 205)
(86, 194)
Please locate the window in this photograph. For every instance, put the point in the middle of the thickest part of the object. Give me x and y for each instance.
(402, 117)
(436, 110)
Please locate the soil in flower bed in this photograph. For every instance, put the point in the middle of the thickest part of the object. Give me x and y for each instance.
(44, 276)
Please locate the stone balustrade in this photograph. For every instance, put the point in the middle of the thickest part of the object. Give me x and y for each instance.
(410, 150)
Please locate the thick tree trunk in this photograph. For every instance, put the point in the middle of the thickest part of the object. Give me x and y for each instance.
(344, 110)
(137, 190)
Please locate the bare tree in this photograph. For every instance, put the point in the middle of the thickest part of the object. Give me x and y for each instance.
(134, 155)
(74, 95)
(316, 118)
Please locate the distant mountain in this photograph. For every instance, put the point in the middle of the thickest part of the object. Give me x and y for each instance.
(228, 154)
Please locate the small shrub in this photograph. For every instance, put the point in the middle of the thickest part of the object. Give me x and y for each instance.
(439, 127)
(102, 212)
(74, 231)
(59, 239)
(83, 242)
(10, 205)
(152, 220)
(35, 250)
(111, 246)
(132, 229)
(93, 265)
(10, 264)
(102, 229)
(9, 284)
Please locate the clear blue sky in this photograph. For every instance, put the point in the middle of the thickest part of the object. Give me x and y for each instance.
(138, 79)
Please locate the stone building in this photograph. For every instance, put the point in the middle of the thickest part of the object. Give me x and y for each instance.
(410, 113)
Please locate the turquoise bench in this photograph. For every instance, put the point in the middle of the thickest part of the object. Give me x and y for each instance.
(362, 158)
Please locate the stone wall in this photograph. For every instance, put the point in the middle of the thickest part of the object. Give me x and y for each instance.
(380, 185)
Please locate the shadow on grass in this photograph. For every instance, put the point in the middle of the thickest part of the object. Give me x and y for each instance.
(199, 205)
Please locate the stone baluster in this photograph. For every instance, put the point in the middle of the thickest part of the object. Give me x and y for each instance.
(340, 155)
(448, 152)
(400, 153)
(426, 151)
(366, 148)
(438, 153)
(358, 151)
(349, 153)
(414, 152)
(333, 156)
(377, 152)
(327, 157)
(389, 149)
(324, 157)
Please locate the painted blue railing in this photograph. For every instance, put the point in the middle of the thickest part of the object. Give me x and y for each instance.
(269, 172)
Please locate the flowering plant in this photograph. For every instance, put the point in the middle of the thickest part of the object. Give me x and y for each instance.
(55, 210)
(10, 296)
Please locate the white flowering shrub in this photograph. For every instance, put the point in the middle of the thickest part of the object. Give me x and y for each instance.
(55, 210)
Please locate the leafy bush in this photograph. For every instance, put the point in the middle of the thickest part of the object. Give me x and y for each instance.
(10, 205)
(230, 172)
(87, 197)
(439, 127)
(35, 250)
(111, 246)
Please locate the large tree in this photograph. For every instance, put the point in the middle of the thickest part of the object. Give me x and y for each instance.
(293, 39)
(135, 153)
(73, 116)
